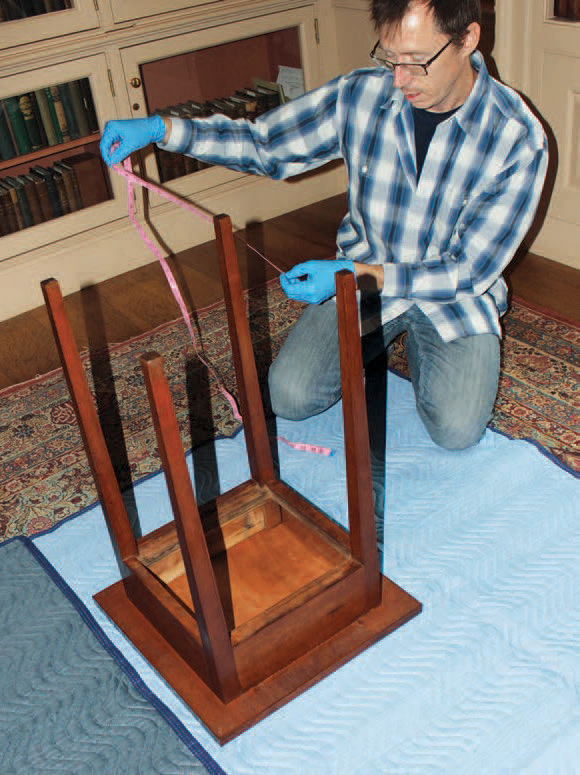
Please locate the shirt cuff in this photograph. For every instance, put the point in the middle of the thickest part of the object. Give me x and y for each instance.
(181, 132)
(396, 280)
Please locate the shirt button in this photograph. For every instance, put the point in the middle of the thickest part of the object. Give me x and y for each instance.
(365, 169)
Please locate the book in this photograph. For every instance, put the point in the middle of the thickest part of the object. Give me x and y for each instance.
(89, 105)
(250, 100)
(53, 115)
(71, 186)
(17, 125)
(42, 194)
(225, 107)
(38, 118)
(60, 114)
(248, 108)
(21, 207)
(46, 117)
(31, 195)
(7, 147)
(90, 176)
(53, 196)
(25, 104)
(7, 214)
(78, 107)
(67, 104)
(65, 205)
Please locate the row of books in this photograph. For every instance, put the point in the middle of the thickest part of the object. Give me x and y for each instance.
(245, 103)
(46, 117)
(45, 193)
(22, 9)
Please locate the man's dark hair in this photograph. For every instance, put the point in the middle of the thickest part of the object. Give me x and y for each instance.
(452, 17)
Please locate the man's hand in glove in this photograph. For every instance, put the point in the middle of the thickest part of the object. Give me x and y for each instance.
(121, 138)
(313, 281)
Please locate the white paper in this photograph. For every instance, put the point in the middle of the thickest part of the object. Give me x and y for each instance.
(292, 81)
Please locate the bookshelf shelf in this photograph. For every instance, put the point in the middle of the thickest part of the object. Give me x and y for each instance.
(55, 152)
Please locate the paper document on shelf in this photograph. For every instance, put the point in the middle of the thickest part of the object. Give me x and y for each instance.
(292, 81)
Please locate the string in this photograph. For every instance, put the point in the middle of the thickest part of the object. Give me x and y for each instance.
(132, 180)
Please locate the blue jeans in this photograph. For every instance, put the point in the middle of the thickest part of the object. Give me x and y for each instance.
(455, 382)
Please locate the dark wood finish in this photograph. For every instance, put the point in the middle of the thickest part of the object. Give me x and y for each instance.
(361, 508)
(247, 604)
(88, 420)
(252, 409)
(227, 721)
(203, 589)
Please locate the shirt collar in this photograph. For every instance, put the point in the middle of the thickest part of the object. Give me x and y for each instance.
(467, 114)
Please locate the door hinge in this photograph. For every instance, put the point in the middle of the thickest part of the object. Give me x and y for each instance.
(316, 32)
(111, 84)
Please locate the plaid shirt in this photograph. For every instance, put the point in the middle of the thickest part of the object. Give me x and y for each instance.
(444, 240)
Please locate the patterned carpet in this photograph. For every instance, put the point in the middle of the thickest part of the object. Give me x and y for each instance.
(44, 475)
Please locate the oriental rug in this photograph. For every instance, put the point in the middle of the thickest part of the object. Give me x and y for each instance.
(44, 475)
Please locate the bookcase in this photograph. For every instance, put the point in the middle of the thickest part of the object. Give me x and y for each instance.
(91, 60)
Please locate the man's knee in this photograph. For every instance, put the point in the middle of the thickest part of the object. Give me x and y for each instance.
(454, 430)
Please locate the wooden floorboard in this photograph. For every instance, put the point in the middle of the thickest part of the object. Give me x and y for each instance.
(136, 302)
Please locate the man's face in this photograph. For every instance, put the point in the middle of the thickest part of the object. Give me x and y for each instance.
(450, 77)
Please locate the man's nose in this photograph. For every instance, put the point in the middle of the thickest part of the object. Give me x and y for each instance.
(400, 77)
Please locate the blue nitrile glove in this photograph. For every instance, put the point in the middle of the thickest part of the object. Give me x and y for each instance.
(313, 281)
(120, 138)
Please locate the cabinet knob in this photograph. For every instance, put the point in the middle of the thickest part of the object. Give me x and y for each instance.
(135, 82)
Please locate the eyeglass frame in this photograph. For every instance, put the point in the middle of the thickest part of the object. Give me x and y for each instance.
(390, 66)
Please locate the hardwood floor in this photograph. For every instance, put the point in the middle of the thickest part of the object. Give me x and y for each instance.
(140, 300)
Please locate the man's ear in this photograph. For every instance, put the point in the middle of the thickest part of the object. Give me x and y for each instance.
(471, 38)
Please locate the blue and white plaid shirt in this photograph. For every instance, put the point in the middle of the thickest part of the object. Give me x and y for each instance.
(443, 241)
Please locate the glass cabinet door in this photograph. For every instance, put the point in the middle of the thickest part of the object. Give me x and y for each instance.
(239, 69)
(125, 10)
(28, 21)
(51, 172)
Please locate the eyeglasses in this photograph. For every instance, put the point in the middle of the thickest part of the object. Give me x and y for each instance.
(411, 68)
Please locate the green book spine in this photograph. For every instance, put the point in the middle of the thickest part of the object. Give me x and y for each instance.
(53, 116)
(18, 126)
(53, 196)
(45, 116)
(27, 111)
(7, 149)
(60, 114)
(66, 99)
(78, 107)
(32, 198)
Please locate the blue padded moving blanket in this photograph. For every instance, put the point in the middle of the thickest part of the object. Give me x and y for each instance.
(485, 680)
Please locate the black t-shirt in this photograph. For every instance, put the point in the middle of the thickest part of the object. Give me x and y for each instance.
(426, 122)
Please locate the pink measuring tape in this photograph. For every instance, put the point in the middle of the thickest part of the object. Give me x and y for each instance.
(133, 180)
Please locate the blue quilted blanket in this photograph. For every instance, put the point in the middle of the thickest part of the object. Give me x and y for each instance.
(485, 680)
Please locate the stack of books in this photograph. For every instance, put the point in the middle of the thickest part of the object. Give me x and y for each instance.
(45, 193)
(46, 117)
(245, 103)
(11, 10)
